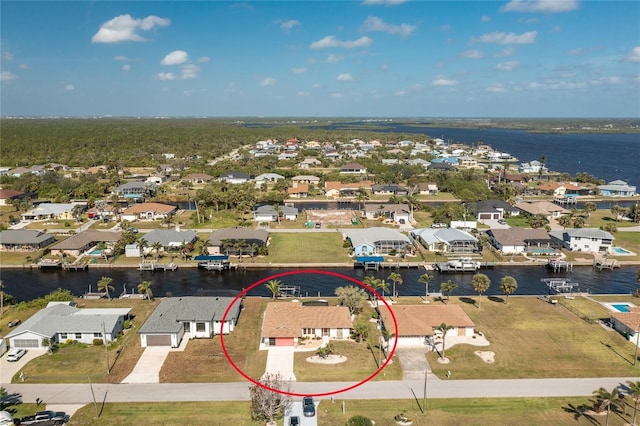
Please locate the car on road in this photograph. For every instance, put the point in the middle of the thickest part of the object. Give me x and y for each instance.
(308, 407)
(14, 323)
(16, 354)
(132, 230)
(46, 418)
(294, 421)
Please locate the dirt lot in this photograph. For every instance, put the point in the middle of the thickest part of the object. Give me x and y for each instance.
(331, 217)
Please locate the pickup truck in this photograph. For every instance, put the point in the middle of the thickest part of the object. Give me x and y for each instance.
(45, 418)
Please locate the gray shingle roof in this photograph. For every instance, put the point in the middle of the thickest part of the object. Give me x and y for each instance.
(371, 235)
(247, 234)
(23, 236)
(170, 237)
(173, 311)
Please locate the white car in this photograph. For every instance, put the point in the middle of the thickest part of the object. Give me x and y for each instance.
(16, 354)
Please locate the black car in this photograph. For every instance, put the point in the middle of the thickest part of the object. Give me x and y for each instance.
(308, 407)
(294, 421)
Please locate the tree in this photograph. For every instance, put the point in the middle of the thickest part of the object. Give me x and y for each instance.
(361, 196)
(589, 207)
(156, 247)
(508, 285)
(372, 282)
(142, 245)
(324, 351)
(266, 404)
(274, 287)
(634, 394)
(352, 297)
(104, 284)
(447, 288)
(444, 328)
(605, 400)
(360, 332)
(145, 288)
(480, 283)
(425, 279)
(396, 278)
(564, 221)
(617, 211)
(383, 286)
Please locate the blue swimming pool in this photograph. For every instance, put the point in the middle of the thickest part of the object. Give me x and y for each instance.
(620, 250)
(621, 307)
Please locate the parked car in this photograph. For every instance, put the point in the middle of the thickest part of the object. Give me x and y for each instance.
(502, 221)
(294, 421)
(14, 323)
(10, 399)
(46, 418)
(132, 230)
(308, 407)
(16, 354)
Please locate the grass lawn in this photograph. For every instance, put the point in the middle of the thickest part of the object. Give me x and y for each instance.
(73, 363)
(535, 339)
(306, 247)
(19, 257)
(206, 360)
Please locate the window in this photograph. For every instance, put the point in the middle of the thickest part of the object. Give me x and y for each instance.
(306, 331)
(63, 336)
(78, 336)
(200, 327)
(97, 335)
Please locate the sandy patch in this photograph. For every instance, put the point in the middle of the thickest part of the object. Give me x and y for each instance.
(486, 356)
(330, 359)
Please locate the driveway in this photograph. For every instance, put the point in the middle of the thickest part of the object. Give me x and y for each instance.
(296, 410)
(414, 363)
(147, 369)
(9, 369)
(280, 360)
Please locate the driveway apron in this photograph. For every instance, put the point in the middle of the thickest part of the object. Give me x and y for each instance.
(414, 363)
(280, 360)
(147, 369)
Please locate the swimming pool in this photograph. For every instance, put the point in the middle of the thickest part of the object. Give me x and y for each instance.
(620, 307)
(622, 252)
(95, 252)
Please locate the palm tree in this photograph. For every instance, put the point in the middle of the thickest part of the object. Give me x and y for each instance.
(606, 400)
(156, 247)
(425, 279)
(480, 283)
(397, 279)
(372, 282)
(142, 245)
(634, 389)
(508, 285)
(240, 245)
(225, 244)
(382, 286)
(564, 221)
(589, 207)
(444, 328)
(616, 211)
(361, 196)
(145, 288)
(447, 288)
(104, 284)
(274, 287)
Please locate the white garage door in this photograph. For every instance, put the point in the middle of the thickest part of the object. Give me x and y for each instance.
(26, 343)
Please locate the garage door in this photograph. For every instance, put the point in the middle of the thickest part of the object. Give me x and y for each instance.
(284, 341)
(26, 343)
(486, 216)
(158, 340)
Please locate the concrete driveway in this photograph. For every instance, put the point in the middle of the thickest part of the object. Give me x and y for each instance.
(9, 369)
(296, 410)
(414, 363)
(147, 369)
(280, 360)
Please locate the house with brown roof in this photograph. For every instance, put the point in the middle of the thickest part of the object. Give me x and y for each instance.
(300, 191)
(547, 209)
(417, 324)
(627, 323)
(520, 240)
(7, 195)
(353, 168)
(338, 189)
(284, 323)
(148, 211)
(197, 178)
(84, 241)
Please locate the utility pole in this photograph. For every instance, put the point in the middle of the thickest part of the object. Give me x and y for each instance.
(106, 348)
(424, 404)
(635, 356)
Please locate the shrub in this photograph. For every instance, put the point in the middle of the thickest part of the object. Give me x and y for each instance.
(97, 342)
(127, 324)
(359, 421)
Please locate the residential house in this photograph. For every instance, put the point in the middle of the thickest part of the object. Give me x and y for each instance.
(494, 210)
(417, 325)
(353, 168)
(592, 240)
(188, 316)
(301, 190)
(8, 195)
(148, 211)
(170, 238)
(446, 240)
(390, 161)
(304, 179)
(351, 189)
(617, 188)
(83, 242)
(467, 162)
(156, 179)
(269, 213)
(61, 321)
(197, 178)
(226, 240)
(558, 189)
(284, 324)
(520, 240)
(135, 190)
(428, 188)
(441, 165)
(532, 167)
(288, 155)
(627, 323)
(51, 211)
(37, 170)
(389, 189)
(396, 213)
(235, 178)
(544, 208)
(24, 240)
(309, 163)
(267, 178)
(377, 241)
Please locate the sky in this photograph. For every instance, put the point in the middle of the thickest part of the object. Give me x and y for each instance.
(367, 58)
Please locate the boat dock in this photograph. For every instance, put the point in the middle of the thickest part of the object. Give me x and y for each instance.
(559, 285)
(462, 265)
(601, 262)
(80, 266)
(559, 265)
(152, 265)
(49, 264)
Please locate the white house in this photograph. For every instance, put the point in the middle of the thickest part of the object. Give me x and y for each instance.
(617, 188)
(592, 240)
(628, 323)
(269, 213)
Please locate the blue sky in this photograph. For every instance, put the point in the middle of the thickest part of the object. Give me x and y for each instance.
(371, 58)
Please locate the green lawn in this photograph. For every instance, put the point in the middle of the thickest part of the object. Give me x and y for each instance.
(321, 247)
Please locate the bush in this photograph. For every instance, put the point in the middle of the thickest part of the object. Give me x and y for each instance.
(97, 342)
(127, 324)
(359, 421)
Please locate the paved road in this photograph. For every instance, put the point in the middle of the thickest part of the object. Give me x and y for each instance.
(239, 391)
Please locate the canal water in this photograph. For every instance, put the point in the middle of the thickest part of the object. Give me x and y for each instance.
(25, 284)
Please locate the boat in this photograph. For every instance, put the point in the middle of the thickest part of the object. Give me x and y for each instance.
(462, 264)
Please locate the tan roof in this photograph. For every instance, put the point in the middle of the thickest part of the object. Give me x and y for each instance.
(420, 320)
(287, 319)
(81, 240)
(202, 176)
(149, 207)
(541, 207)
(630, 319)
(301, 188)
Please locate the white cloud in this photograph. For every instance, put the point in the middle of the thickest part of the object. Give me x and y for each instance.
(69, 87)
(400, 92)
(345, 77)
(189, 71)
(331, 41)
(545, 6)
(203, 59)
(442, 81)
(120, 58)
(556, 85)
(7, 56)
(508, 66)
(301, 93)
(337, 95)
(577, 52)
(385, 2)
(165, 76)
(6, 76)
(485, 18)
(472, 54)
(444, 28)
(268, 81)
(126, 67)
(333, 59)
(373, 23)
(288, 25)
(509, 51)
(176, 57)
(298, 70)
(496, 88)
(508, 38)
(125, 28)
(23, 66)
(633, 55)
(606, 81)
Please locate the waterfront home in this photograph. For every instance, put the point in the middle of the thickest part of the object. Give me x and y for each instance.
(377, 241)
(233, 240)
(617, 188)
(353, 168)
(136, 190)
(269, 213)
(520, 240)
(304, 180)
(396, 213)
(627, 323)
(494, 210)
(197, 178)
(61, 321)
(83, 242)
(389, 189)
(545, 208)
(24, 240)
(467, 162)
(51, 211)
(418, 324)
(188, 316)
(299, 191)
(350, 189)
(532, 167)
(285, 324)
(558, 189)
(170, 238)
(446, 240)
(428, 188)
(592, 240)
(148, 212)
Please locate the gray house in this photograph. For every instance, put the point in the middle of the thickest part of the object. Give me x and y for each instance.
(24, 240)
(190, 316)
(60, 321)
(448, 240)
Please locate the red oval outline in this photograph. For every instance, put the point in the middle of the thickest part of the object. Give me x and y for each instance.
(309, 271)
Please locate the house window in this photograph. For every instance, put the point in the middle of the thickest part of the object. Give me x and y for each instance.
(97, 335)
(78, 336)
(200, 327)
(63, 336)
(306, 331)
(186, 327)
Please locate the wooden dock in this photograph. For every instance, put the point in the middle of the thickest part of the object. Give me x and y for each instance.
(80, 266)
(559, 265)
(559, 285)
(601, 262)
(49, 264)
(152, 265)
